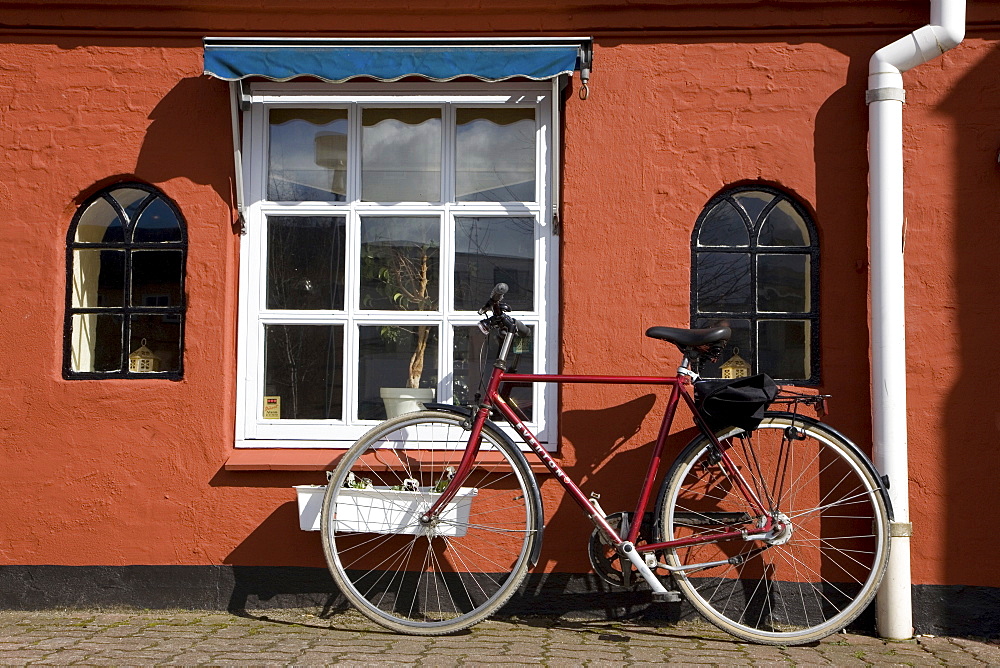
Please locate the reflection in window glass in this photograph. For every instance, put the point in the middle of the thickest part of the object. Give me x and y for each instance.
(96, 342)
(156, 223)
(490, 251)
(784, 348)
(305, 262)
(753, 202)
(126, 283)
(131, 199)
(400, 263)
(394, 356)
(156, 272)
(724, 283)
(783, 283)
(98, 278)
(401, 155)
(495, 154)
(783, 227)
(99, 223)
(471, 375)
(304, 369)
(307, 156)
(723, 226)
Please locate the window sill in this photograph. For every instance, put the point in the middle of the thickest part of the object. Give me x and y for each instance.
(301, 459)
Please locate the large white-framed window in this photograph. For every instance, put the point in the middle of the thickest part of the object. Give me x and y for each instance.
(378, 218)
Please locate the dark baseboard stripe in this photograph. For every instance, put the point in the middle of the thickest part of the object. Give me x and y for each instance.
(938, 609)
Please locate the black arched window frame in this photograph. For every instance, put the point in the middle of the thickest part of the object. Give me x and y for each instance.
(127, 310)
(699, 318)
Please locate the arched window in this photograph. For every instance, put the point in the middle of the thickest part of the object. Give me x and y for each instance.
(125, 301)
(755, 265)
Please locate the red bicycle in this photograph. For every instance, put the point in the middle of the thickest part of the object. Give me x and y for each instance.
(777, 533)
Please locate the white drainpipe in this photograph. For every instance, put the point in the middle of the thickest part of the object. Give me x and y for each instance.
(885, 98)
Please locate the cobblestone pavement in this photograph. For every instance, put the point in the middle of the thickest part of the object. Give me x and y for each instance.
(293, 637)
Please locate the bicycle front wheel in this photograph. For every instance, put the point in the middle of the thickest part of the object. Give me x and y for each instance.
(438, 577)
(821, 565)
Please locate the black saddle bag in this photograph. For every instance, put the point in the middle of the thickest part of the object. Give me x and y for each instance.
(737, 402)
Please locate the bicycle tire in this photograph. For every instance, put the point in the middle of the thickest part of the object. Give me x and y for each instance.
(803, 583)
(439, 578)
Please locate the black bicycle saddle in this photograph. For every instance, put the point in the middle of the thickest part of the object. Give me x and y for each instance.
(690, 338)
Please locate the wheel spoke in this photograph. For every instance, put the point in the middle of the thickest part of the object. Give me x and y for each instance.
(453, 571)
(820, 565)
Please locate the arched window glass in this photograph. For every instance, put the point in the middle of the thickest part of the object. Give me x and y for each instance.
(125, 299)
(755, 264)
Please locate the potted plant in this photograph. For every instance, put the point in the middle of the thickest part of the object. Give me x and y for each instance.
(403, 276)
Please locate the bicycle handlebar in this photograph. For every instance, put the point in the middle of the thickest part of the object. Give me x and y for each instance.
(496, 298)
(499, 319)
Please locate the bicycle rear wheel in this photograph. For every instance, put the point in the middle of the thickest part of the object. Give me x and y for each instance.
(800, 583)
(441, 577)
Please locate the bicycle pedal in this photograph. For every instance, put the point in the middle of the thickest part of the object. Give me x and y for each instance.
(666, 597)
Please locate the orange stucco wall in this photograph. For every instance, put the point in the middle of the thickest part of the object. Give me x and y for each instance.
(684, 101)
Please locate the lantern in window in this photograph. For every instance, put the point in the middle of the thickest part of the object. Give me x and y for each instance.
(735, 366)
(142, 360)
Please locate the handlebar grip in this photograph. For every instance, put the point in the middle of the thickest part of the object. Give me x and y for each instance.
(522, 329)
(499, 290)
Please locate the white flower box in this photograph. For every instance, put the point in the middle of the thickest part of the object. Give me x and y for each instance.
(384, 510)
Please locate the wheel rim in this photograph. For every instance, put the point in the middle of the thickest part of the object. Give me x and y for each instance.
(817, 568)
(444, 575)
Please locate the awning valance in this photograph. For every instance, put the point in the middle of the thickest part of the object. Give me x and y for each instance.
(337, 60)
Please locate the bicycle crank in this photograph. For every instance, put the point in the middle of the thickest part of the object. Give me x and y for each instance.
(604, 558)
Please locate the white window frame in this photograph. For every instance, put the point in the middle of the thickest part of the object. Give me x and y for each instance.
(252, 430)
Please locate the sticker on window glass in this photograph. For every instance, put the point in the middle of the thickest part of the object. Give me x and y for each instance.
(272, 408)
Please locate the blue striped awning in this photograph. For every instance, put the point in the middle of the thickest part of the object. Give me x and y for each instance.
(337, 60)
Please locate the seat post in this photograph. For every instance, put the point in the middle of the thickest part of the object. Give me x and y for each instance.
(685, 369)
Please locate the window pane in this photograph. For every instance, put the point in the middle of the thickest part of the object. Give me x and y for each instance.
(98, 278)
(753, 202)
(490, 251)
(784, 348)
(495, 155)
(469, 376)
(783, 283)
(157, 222)
(307, 157)
(399, 263)
(96, 342)
(159, 333)
(724, 283)
(130, 199)
(304, 369)
(401, 155)
(157, 273)
(739, 344)
(394, 356)
(723, 226)
(783, 227)
(100, 223)
(305, 262)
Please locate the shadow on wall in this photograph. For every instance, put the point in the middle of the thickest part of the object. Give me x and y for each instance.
(840, 146)
(559, 584)
(971, 423)
(190, 136)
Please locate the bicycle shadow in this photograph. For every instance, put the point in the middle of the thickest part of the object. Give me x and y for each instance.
(605, 451)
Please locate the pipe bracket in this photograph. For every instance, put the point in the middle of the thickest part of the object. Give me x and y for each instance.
(881, 94)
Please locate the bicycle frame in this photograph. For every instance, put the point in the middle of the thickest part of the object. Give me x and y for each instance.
(624, 544)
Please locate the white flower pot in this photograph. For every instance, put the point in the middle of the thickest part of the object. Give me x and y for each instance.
(384, 510)
(399, 400)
